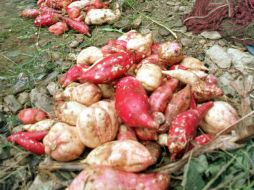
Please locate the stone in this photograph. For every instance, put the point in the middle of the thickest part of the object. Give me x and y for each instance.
(219, 56)
(74, 44)
(163, 32)
(53, 88)
(186, 42)
(23, 97)
(225, 81)
(212, 35)
(202, 41)
(241, 60)
(39, 98)
(12, 103)
(136, 23)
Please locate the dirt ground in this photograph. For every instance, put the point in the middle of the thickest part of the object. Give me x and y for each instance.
(32, 58)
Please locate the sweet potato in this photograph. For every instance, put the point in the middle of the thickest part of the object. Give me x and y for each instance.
(78, 26)
(162, 95)
(140, 44)
(43, 125)
(68, 112)
(171, 52)
(31, 115)
(132, 104)
(145, 134)
(58, 28)
(127, 155)
(193, 64)
(163, 139)
(203, 90)
(107, 90)
(219, 117)
(46, 19)
(150, 76)
(184, 127)
(30, 13)
(86, 93)
(101, 16)
(62, 143)
(98, 124)
(184, 76)
(106, 178)
(108, 69)
(73, 12)
(179, 103)
(89, 55)
(126, 133)
(154, 149)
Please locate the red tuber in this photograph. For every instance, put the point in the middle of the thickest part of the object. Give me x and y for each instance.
(161, 96)
(58, 28)
(132, 104)
(183, 128)
(31, 115)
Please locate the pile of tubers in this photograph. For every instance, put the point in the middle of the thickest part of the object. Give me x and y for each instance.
(62, 15)
(124, 101)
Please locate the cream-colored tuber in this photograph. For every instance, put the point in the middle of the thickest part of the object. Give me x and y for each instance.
(62, 143)
(68, 112)
(126, 155)
(98, 124)
(89, 55)
(86, 93)
(150, 76)
(219, 117)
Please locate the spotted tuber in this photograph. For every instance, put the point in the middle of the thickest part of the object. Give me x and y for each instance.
(132, 104)
(62, 143)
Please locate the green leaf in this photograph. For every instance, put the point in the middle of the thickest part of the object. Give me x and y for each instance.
(193, 175)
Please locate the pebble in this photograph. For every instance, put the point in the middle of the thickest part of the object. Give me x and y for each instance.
(53, 88)
(241, 60)
(186, 42)
(225, 79)
(12, 103)
(74, 44)
(219, 56)
(202, 41)
(163, 32)
(23, 97)
(40, 99)
(136, 23)
(212, 35)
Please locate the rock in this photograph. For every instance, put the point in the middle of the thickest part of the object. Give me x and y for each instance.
(222, 43)
(40, 98)
(71, 57)
(202, 41)
(219, 56)
(53, 88)
(136, 23)
(163, 32)
(186, 42)
(23, 97)
(145, 31)
(241, 60)
(74, 44)
(182, 8)
(225, 79)
(178, 22)
(212, 35)
(55, 55)
(12, 103)
(52, 76)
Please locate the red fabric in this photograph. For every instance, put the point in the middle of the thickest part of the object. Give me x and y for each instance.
(227, 15)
